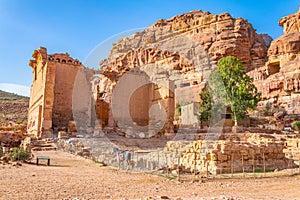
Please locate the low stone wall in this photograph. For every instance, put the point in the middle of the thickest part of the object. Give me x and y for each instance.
(252, 152)
(242, 152)
(168, 158)
(292, 148)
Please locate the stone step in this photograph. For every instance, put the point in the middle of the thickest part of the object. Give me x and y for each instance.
(44, 149)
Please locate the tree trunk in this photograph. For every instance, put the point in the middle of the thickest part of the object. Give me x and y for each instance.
(235, 119)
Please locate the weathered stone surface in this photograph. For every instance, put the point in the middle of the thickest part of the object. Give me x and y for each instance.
(184, 50)
(11, 138)
(72, 127)
(279, 79)
(51, 96)
(63, 135)
(5, 159)
(225, 156)
(220, 35)
(288, 43)
(290, 23)
(170, 61)
(293, 149)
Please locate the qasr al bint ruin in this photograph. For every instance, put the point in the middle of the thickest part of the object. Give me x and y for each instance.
(169, 61)
(138, 87)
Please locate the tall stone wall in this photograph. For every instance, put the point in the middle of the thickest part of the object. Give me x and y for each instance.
(65, 76)
(40, 111)
(140, 107)
(51, 92)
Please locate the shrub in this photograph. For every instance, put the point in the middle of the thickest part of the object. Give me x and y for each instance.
(19, 121)
(20, 154)
(1, 151)
(296, 125)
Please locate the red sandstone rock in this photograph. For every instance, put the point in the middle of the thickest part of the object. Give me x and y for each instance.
(279, 79)
(183, 49)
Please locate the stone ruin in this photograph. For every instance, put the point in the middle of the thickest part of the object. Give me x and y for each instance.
(50, 107)
(175, 55)
(225, 156)
(160, 67)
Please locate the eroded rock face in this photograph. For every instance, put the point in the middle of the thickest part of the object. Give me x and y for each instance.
(220, 35)
(183, 50)
(279, 79)
(285, 44)
(290, 23)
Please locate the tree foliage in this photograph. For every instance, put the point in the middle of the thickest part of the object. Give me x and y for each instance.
(205, 105)
(234, 86)
(177, 112)
(296, 125)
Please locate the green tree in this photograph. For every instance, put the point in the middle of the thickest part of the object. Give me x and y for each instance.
(205, 106)
(177, 112)
(231, 83)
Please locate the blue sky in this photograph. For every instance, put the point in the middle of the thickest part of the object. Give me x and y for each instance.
(78, 26)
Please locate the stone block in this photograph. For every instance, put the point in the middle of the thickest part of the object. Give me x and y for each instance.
(63, 135)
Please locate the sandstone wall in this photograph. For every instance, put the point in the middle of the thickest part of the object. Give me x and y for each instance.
(65, 76)
(142, 108)
(189, 114)
(51, 92)
(226, 156)
(293, 149)
(245, 152)
(36, 116)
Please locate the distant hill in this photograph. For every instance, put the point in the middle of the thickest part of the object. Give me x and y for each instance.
(13, 109)
(11, 96)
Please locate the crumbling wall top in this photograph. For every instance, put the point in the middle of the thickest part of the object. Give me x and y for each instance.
(40, 56)
(63, 58)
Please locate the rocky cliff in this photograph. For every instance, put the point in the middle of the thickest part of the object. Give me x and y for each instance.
(183, 50)
(186, 48)
(219, 35)
(189, 44)
(279, 79)
(290, 23)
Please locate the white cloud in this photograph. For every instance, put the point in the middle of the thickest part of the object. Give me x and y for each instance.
(14, 88)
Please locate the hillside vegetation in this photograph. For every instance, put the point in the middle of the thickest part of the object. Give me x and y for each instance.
(13, 109)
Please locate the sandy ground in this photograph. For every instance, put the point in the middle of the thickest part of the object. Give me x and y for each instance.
(73, 177)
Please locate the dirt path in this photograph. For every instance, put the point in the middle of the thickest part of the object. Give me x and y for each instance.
(72, 177)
